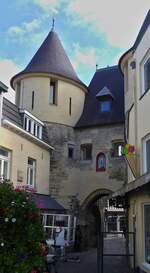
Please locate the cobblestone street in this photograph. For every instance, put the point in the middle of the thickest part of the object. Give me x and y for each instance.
(88, 260)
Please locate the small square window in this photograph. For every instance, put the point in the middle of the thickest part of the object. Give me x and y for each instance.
(105, 106)
(117, 149)
(86, 151)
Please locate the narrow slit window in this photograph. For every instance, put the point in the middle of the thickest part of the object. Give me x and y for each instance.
(70, 106)
(52, 93)
(32, 100)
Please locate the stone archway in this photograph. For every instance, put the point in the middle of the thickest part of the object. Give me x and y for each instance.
(91, 218)
(93, 197)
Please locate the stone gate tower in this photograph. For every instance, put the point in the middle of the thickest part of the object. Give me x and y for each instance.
(84, 125)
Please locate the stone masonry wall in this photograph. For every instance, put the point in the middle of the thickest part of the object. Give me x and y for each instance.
(71, 180)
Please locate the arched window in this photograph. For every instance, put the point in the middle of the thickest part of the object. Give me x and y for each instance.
(100, 162)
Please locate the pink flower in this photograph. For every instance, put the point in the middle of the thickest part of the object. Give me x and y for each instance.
(33, 271)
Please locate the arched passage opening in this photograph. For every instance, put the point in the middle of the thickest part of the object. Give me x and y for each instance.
(91, 219)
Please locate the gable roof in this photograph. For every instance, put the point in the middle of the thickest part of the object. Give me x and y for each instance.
(51, 58)
(91, 116)
(104, 93)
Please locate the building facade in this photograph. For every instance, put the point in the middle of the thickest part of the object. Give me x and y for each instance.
(135, 65)
(84, 125)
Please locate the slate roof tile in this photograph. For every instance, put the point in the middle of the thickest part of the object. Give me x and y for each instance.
(91, 116)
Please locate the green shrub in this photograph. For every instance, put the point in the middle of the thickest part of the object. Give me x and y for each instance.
(20, 232)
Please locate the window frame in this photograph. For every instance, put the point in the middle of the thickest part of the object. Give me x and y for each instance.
(4, 159)
(83, 154)
(102, 169)
(72, 147)
(115, 148)
(143, 64)
(144, 154)
(33, 168)
(33, 128)
(144, 233)
(102, 102)
(52, 95)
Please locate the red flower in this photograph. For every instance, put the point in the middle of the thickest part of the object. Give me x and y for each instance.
(17, 190)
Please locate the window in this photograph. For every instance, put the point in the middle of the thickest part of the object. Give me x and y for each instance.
(147, 74)
(101, 162)
(70, 151)
(4, 164)
(32, 100)
(59, 222)
(32, 127)
(146, 154)
(117, 149)
(147, 232)
(31, 172)
(52, 93)
(145, 69)
(86, 151)
(105, 106)
(70, 104)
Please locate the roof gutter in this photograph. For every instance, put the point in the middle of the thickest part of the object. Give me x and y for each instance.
(22, 132)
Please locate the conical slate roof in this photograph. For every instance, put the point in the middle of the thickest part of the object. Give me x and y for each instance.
(51, 58)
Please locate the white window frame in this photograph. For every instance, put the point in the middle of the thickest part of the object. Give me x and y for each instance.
(146, 58)
(145, 139)
(4, 159)
(70, 227)
(33, 122)
(33, 168)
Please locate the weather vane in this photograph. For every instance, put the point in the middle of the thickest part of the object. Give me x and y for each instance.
(53, 23)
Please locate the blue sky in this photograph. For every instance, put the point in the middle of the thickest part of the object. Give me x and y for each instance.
(97, 31)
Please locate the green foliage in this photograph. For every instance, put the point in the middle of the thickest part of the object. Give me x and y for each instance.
(20, 232)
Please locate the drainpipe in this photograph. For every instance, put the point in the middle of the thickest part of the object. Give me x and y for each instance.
(135, 116)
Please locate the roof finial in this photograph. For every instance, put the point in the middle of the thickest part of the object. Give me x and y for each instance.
(53, 23)
(96, 67)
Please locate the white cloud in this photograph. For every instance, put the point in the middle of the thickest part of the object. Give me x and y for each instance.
(119, 20)
(49, 5)
(20, 33)
(84, 57)
(7, 70)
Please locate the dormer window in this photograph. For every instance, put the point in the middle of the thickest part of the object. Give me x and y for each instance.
(105, 98)
(53, 93)
(105, 106)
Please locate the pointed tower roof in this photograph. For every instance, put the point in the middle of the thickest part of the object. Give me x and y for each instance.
(51, 58)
